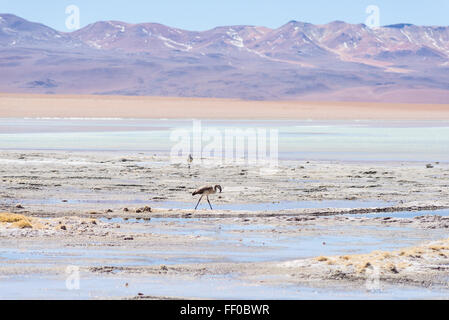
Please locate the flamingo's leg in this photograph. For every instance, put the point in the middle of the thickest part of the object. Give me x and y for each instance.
(198, 202)
(207, 197)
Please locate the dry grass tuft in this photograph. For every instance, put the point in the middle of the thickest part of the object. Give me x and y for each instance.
(361, 267)
(392, 268)
(22, 224)
(16, 220)
(10, 217)
(438, 247)
(321, 259)
(391, 262)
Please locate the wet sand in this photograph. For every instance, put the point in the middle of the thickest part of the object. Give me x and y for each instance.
(303, 231)
(91, 106)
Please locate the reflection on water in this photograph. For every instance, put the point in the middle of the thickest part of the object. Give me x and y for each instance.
(317, 140)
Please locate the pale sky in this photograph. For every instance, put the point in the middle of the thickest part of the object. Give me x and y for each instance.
(206, 14)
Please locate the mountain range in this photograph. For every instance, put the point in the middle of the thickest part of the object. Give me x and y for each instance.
(297, 61)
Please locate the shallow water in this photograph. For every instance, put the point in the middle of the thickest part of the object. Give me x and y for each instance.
(214, 287)
(402, 214)
(255, 242)
(263, 206)
(230, 242)
(94, 257)
(223, 242)
(235, 240)
(280, 205)
(317, 140)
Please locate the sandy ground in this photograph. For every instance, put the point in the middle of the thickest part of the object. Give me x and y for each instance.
(73, 212)
(28, 105)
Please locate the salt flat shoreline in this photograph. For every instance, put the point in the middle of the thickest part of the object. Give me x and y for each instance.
(76, 203)
(93, 106)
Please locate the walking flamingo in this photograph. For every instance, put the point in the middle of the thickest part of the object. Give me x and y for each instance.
(206, 191)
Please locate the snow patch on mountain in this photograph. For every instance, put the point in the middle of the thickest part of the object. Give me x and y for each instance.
(172, 44)
(118, 26)
(236, 40)
(408, 37)
(94, 44)
(9, 31)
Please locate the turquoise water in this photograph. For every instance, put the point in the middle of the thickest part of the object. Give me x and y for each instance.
(315, 140)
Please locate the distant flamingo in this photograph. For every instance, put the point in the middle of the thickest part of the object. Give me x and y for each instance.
(189, 160)
(206, 191)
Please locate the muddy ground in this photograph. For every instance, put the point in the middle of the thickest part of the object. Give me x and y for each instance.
(128, 219)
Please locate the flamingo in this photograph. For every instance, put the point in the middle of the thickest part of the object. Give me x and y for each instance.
(206, 191)
(189, 160)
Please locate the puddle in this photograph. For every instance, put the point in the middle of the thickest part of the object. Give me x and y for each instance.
(231, 241)
(401, 214)
(74, 201)
(222, 242)
(264, 206)
(96, 257)
(257, 243)
(213, 287)
(276, 206)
